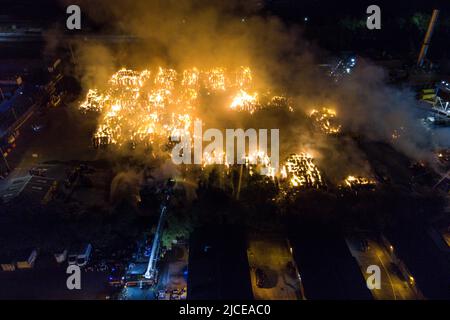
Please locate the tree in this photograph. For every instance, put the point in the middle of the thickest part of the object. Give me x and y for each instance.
(177, 227)
(420, 21)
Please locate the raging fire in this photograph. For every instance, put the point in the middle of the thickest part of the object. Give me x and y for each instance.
(325, 119)
(301, 171)
(358, 181)
(149, 107)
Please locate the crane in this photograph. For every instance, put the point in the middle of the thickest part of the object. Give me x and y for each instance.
(151, 272)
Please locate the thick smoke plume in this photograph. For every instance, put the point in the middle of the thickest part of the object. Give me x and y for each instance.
(183, 33)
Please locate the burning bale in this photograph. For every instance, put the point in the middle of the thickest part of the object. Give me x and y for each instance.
(325, 120)
(301, 171)
(245, 102)
(359, 182)
(140, 108)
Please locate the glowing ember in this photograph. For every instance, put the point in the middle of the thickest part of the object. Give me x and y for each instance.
(191, 78)
(166, 78)
(301, 171)
(357, 181)
(213, 158)
(94, 101)
(215, 79)
(326, 120)
(140, 109)
(130, 112)
(244, 102)
(244, 77)
(280, 102)
(261, 162)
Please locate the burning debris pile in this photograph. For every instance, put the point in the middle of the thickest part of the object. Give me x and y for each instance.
(262, 164)
(149, 107)
(130, 112)
(325, 120)
(357, 182)
(301, 171)
(245, 102)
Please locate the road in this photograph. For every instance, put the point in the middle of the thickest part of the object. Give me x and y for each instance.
(394, 286)
(271, 254)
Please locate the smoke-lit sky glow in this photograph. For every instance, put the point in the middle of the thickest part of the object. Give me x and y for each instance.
(204, 61)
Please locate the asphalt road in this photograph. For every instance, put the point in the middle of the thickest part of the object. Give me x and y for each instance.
(394, 286)
(272, 255)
